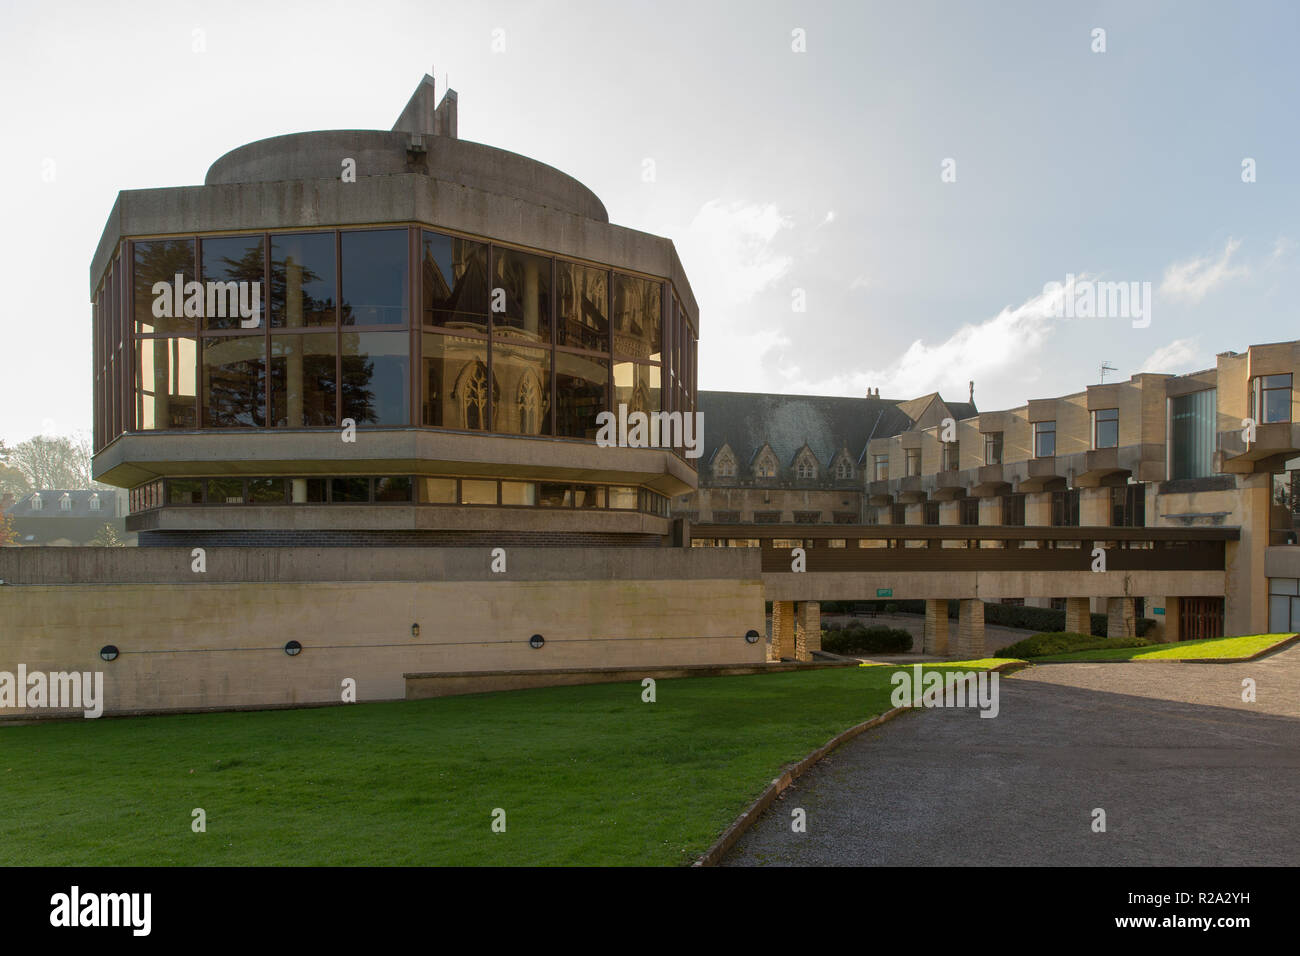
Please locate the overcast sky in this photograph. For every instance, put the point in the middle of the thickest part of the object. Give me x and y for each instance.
(774, 170)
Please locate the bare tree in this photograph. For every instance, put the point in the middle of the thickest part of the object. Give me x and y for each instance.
(54, 461)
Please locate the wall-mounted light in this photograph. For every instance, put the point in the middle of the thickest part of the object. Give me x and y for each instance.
(415, 630)
(293, 648)
(751, 636)
(536, 641)
(108, 652)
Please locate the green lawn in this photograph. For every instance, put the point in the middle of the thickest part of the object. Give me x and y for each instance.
(586, 775)
(1216, 648)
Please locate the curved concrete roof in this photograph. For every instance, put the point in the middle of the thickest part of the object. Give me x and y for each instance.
(320, 155)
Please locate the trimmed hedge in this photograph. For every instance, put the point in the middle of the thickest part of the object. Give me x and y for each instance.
(1061, 642)
(874, 640)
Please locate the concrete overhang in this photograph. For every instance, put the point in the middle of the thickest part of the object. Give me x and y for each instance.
(138, 457)
(1274, 444)
(1042, 474)
(949, 485)
(990, 481)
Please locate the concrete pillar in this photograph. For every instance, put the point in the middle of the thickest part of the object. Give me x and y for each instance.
(1094, 507)
(1120, 617)
(1245, 606)
(991, 513)
(1170, 623)
(935, 636)
(916, 515)
(950, 513)
(1038, 513)
(970, 630)
(1078, 615)
(807, 630)
(782, 629)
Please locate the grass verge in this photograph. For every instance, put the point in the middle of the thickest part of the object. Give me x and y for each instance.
(1219, 648)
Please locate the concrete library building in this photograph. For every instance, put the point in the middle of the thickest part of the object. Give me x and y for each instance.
(353, 387)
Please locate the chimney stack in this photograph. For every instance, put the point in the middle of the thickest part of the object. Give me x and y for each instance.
(972, 392)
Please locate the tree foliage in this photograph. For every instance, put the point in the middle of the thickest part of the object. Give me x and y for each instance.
(48, 462)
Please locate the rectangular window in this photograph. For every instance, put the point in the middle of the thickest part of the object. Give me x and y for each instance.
(526, 281)
(1013, 510)
(993, 448)
(636, 318)
(440, 491)
(234, 381)
(376, 377)
(474, 491)
(1271, 398)
(622, 499)
(184, 491)
(898, 514)
(455, 382)
(523, 375)
(349, 490)
(1105, 428)
(238, 259)
(266, 491)
(376, 290)
(454, 280)
(881, 467)
(523, 493)
(165, 393)
(303, 279)
(303, 380)
(1044, 439)
(636, 386)
(393, 488)
(951, 456)
(589, 496)
(970, 511)
(1065, 508)
(225, 491)
(581, 393)
(932, 512)
(912, 456)
(1192, 423)
(582, 301)
(561, 496)
(160, 260)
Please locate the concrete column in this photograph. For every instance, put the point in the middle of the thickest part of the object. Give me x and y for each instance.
(1245, 606)
(1078, 615)
(1120, 617)
(935, 639)
(808, 630)
(1038, 513)
(991, 513)
(1094, 507)
(915, 515)
(1167, 629)
(782, 629)
(950, 513)
(970, 630)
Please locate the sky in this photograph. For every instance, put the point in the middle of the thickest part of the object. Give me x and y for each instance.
(863, 195)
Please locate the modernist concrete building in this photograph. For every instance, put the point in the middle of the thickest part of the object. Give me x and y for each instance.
(1119, 466)
(470, 311)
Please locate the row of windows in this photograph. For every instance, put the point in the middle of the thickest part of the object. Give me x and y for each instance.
(65, 502)
(390, 489)
(805, 469)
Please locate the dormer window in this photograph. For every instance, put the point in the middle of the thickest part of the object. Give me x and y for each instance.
(844, 469)
(806, 468)
(766, 468)
(725, 468)
(94, 502)
(37, 504)
(65, 503)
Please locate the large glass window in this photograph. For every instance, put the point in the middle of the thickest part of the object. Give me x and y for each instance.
(349, 490)
(376, 290)
(636, 314)
(455, 382)
(993, 448)
(912, 458)
(237, 259)
(880, 463)
(581, 393)
(526, 281)
(376, 377)
(1270, 399)
(1105, 428)
(1192, 434)
(1044, 439)
(393, 488)
(303, 274)
(454, 280)
(582, 299)
(637, 386)
(519, 493)
(165, 391)
(225, 491)
(161, 260)
(234, 381)
(524, 378)
(475, 491)
(266, 491)
(303, 380)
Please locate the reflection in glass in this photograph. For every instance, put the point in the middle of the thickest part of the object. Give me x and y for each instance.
(375, 286)
(349, 490)
(164, 383)
(518, 493)
(581, 393)
(393, 488)
(524, 377)
(264, 491)
(554, 495)
(303, 380)
(233, 259)
(636, 386)
(455, 382)
(184, 491)
(454, 282)
(440, 491)
(302, 280)
(582, 300)
(636, 317)
(623, 499)
(526, 280)
(376, 376)
(234, 381)
(477, 492)
(589, 496)
(225, 491)
(160, 260)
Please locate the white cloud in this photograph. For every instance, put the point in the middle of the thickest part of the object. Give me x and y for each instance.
(1180, 355)
(1192, 280)
(727, 250)
(830, 217)
(861, 282)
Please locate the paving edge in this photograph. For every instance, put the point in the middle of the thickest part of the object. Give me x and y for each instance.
(733, 833)
(1266, 652)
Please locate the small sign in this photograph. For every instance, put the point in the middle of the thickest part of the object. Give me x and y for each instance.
(1158, 610)
(884, 592)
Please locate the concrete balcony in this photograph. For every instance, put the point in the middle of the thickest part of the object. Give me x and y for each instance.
(1042, 474)
(949, 485)
(879, 493)
(1274, 444)
(910, 490)
(991, 480)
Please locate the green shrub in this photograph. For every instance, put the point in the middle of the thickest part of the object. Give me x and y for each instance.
(867, 640)
(891, 608)
(1060, 642)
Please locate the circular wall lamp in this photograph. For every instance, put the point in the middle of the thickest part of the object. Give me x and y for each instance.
(293, 648)
(751, 636)
(415, 630)
(536, 641)
(108, 652)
